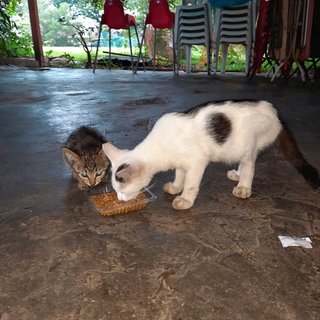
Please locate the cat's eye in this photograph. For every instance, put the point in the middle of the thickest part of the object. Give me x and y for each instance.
(99, 173)
(83, 174)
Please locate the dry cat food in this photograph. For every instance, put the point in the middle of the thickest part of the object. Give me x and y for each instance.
(108, 204)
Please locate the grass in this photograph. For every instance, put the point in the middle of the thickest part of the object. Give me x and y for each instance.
(78, 53)
(235, 58)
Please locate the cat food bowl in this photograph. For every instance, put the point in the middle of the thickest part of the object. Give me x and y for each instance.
(105, 201)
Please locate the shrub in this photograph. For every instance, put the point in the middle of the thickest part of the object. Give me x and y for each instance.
(13, 42)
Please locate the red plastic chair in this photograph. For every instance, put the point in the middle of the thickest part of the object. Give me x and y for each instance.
(160, 17)
(115, 18)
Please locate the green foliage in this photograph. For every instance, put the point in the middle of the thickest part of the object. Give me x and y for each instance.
(11, 6)
(82, 8)
(5, 20)
(62, 59)
(69, 57)
(17, 45)
(53, 33)
(235, 58)
(13, 42)
(49, 53)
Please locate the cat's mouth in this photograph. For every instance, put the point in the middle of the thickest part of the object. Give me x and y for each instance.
(93, 183)
(126, 197)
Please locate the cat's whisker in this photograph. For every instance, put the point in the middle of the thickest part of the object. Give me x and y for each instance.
(150, 186)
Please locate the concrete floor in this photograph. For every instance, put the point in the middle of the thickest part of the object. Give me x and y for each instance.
(219, 260)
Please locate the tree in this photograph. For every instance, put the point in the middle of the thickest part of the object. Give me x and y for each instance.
(82, 8)
(53, 33)
(79, 32)
(15, 37)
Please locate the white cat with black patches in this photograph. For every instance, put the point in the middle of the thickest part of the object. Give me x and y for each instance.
(221, 131)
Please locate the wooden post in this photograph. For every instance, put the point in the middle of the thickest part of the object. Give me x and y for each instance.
(36, 32)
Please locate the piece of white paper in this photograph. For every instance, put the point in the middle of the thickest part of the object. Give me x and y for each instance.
(287, 241)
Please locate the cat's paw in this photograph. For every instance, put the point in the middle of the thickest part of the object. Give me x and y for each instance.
(170, 188)
(180, 203)
(233, 175)
(241, 192)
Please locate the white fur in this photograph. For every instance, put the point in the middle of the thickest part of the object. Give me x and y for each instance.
(181, 142)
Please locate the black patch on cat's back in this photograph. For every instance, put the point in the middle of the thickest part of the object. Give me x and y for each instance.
(219, 126)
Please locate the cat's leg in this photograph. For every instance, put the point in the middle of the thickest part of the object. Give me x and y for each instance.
(190, 189)
(177, 185)
(234, 175)
(243, 189)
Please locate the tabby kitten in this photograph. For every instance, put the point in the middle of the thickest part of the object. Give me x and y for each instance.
(83, 152)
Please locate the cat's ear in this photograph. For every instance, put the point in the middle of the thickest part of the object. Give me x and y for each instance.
(71, 156)
(111, 151)
(103, 156)
(127, 172)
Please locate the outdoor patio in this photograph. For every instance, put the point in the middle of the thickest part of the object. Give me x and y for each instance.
(220, 260)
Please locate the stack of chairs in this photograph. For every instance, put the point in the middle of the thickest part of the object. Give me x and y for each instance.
(234, 25)
(193, 26)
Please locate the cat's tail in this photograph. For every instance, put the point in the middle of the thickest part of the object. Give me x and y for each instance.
(287, 145)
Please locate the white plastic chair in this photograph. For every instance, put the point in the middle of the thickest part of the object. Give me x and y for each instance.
(234, 25)
(193, 27)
